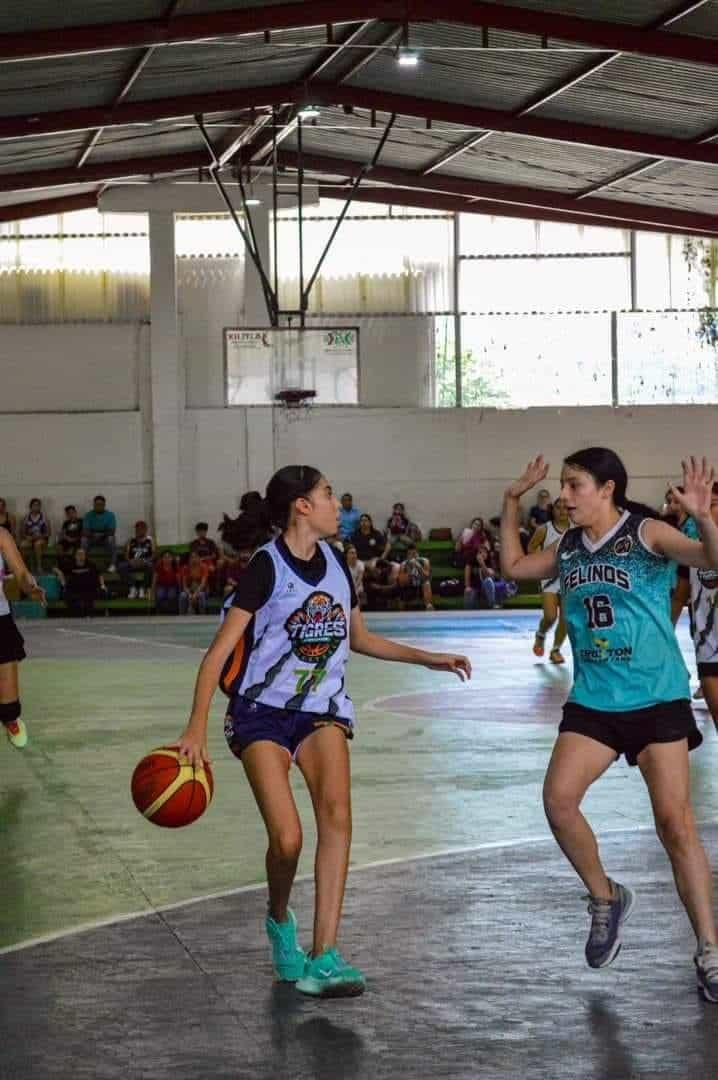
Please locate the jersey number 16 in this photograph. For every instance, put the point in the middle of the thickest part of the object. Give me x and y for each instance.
(600, 611)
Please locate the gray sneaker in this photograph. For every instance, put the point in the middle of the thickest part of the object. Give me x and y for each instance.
(706, 961)
(608, 916)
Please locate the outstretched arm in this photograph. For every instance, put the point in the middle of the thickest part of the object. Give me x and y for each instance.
(381, 648)
(514, 564)
(696, 500)
(15, 561)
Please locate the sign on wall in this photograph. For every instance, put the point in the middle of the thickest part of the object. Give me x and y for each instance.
(261, 361)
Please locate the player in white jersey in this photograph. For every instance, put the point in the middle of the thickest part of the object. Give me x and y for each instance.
(544, 537)
(280, 656)
(700, 589)
(11, 643)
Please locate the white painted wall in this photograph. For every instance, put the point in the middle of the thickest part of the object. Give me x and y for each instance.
(445, 464)
(71, 367)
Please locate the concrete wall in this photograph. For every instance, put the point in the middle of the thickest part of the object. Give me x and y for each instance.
(445, 464)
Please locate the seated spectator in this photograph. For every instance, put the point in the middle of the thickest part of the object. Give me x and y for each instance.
(349, 517)
(541, 513)
(230, 572)
(415, 578)
(397, 527)
(69, 538)
(356, 569)
(248, 531)
(99, 526)
(7, 520)
(165, 585)
(487, 576)
(83, 584)
(194, 581)
(380, 582)
(137, 562)
(336, 541)
(34, 534)
(470, 541)
(205, 547)
(369, 542)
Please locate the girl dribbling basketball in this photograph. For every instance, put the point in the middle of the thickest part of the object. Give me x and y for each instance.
(280, 655)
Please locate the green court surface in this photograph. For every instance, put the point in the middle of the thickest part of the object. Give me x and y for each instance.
(437, 765)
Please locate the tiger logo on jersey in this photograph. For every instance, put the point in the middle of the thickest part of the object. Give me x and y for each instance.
(317, 629)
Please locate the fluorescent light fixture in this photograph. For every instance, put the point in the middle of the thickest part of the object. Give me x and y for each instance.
(252, 199)
(407, 58)
(309, 112)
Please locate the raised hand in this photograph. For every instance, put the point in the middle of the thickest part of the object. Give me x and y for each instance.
(698, 477)
(534, 473)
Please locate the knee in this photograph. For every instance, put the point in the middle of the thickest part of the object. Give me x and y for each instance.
(286, 844)
(675, 828)
(560, 806)
(335, 814)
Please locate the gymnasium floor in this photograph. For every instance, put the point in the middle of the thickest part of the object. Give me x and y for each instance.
(469, 924)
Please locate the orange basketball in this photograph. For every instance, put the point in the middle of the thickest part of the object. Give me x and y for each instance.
(168, 793)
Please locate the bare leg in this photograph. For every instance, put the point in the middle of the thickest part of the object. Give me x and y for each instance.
(666, 771)
(561, 630)
(709, 685)
(324, 760)
(267, 767)
(550, 612)
(576, 763)
(9, 687)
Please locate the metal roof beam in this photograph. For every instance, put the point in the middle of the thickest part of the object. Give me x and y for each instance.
(13, 127)
(45, 207)
(633, 214)
(144, 33)
(432, 200)
(161, 165)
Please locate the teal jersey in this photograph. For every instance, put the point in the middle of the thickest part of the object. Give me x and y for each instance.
(616, 602)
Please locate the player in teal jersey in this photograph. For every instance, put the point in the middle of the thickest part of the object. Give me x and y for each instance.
(631, 693)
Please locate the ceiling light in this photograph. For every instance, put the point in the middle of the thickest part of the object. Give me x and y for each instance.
(309, 112)
(251, 197)
(407, 58)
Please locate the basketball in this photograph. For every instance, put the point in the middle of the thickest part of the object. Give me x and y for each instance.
(168, 793)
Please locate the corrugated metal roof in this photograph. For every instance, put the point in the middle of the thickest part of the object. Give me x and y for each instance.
(492, 79)
(233, 63)
(637, 12)
(410, 145)
(642, 94)
(24, 155)
(136, 142)
(193, 7)
(513, 159)
(64, 83)
(701, 23)
(683, 187)
(18, 15)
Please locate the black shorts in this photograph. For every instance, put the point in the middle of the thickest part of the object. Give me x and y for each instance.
(631, 732)
(707, 671)
(11, 641)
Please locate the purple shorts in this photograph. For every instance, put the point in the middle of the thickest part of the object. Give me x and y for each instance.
(248, 722)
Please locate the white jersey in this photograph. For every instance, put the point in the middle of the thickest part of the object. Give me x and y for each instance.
(704, 612)
(297, 645)
(4, 606)
(551, 585)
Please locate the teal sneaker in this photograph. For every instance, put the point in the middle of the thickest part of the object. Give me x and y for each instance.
(329, 975)
(288, 958)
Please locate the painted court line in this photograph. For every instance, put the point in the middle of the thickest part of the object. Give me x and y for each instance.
(126, 639)
(491, 845)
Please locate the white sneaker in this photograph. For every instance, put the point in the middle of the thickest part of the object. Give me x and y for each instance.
(112, 569)
(140, 593)
(706, 961)
(132, 594)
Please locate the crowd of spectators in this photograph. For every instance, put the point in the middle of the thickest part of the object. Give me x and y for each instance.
(385, 564)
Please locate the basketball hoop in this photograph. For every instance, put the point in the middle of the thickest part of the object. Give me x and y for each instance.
(295, 401)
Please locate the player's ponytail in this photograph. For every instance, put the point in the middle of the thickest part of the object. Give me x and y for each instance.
(286, 486)
(604, 465)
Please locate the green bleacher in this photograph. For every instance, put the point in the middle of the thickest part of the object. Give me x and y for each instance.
(438, 551)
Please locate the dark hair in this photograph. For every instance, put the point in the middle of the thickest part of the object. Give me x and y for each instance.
(604, 465)
(166, 552)
(69, 508)
(35, 500)
(99, 497)
(369, 519)
(201, 525)
(250, 499)
(286, 486)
